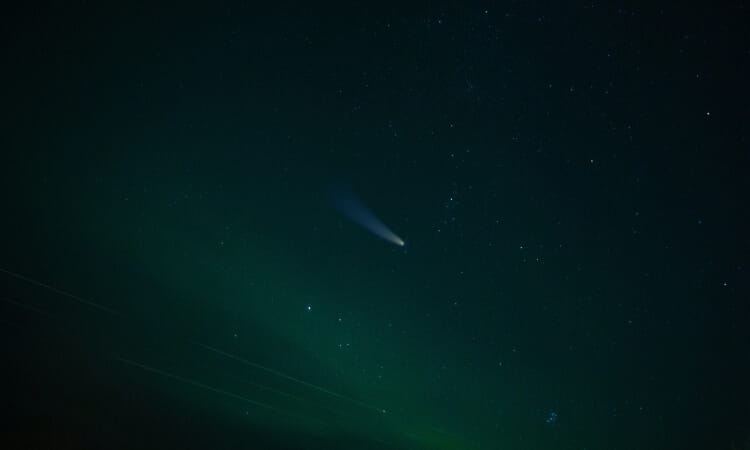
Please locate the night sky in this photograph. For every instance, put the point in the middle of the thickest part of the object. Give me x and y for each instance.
(189, 246)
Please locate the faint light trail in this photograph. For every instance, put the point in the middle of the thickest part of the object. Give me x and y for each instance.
(290, 378)
(215, 390)
(24, 306)
(196, 383)
(59, 291)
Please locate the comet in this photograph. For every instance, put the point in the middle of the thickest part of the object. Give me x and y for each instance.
(353, 209)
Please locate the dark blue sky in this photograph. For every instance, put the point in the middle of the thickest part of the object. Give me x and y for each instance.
(569, 179)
